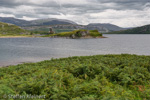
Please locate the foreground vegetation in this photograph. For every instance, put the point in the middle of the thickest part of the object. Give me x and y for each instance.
(99, 77)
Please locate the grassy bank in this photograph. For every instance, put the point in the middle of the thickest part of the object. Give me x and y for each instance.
(79, 34)
(10, 29)
(100, 77)
(14, 36)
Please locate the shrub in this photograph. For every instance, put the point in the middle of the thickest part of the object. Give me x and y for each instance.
(88, 77)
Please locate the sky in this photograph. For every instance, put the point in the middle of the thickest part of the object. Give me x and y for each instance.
(124, 13)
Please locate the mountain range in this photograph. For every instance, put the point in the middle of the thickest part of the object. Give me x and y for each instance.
(138, 30)
(39, 22)
(59, 24)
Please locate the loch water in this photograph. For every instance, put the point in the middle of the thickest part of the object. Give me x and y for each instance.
(19, 50)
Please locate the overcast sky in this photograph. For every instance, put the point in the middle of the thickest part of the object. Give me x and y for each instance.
(124, 13)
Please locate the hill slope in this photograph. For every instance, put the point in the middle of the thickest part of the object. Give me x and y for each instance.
(52, 21)
(110, 27)
(39, 22)
(14, 21)
(10, 29)
(139, 30)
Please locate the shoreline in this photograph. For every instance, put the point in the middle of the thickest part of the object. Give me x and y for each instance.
(22, 37)
(17, 63)
(13, 36)
(24, 62)
(87, 37)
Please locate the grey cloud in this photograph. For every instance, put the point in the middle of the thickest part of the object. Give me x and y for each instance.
(7, 3)
(124, 1)
(46, 8)
(14, 3)
(126, 4)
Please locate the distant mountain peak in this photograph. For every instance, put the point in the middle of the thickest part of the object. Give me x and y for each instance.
(109, 26)
(38, 22)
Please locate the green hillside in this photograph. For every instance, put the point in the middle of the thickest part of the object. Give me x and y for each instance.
(99, 77)
(139, 30)
(10, 29)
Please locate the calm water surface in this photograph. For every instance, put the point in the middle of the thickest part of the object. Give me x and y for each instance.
(19, 50)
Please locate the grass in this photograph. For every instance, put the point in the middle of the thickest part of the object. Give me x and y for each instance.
(99, 77)
(66, 34)
(10, 29)
(15, 35)
(77, 33)
(94, 33)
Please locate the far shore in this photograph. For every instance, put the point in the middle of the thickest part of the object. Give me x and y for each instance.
(88, 37)
(13, 36)
(20, 37)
